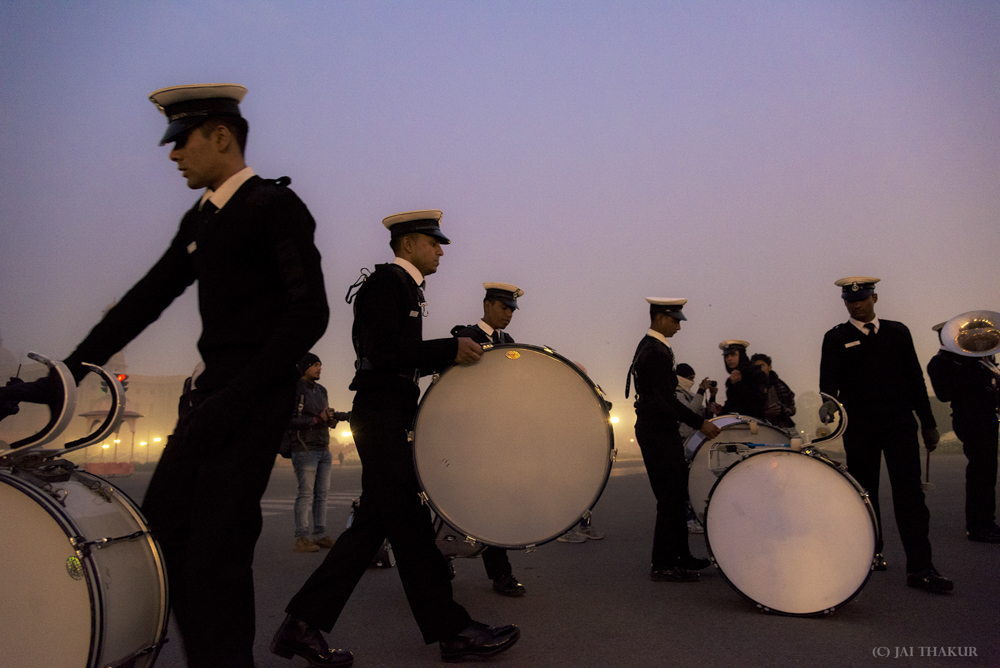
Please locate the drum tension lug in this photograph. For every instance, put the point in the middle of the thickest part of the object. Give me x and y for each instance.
(530, 548)
(83, 545)
(471, 541)
(423, 498)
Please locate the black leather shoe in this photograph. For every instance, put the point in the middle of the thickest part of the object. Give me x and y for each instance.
(929, 580)
(296, 637)
(508, 586)
(990, 535)
(692, 563)
(675, 574)
(478, 640)
(879, 563)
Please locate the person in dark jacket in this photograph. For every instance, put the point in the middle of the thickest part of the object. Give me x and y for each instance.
(746, 386)
(972, 390)
(499, 305)
(392, 356)
(780, 405)
(658, 412)
(309, 433)
(248, 243)
(870, 366)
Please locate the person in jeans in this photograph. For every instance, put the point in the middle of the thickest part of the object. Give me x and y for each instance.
(310, 435)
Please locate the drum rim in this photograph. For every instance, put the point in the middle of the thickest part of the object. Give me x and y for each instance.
(734, 418)
(65, 521)
(609, 463)
(161, 567)
(812, 454)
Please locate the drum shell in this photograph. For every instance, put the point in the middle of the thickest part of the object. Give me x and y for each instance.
(514, 450)
(792, 532)
(701, 478)
(77, 607)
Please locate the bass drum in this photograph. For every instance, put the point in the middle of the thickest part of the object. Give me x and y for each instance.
(70, 602)
(514, 450)
(708, 459)
(791, 532)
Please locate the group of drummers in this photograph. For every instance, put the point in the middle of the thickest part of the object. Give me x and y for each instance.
(248, 242)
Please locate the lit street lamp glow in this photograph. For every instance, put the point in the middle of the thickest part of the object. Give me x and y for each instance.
(614, 420)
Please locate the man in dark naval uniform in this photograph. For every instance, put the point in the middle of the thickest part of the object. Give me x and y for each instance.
(971, 388)
(248, 242)
(392, 356)
(746, 387)
(499, 305)
(658, 413)
(871, 367)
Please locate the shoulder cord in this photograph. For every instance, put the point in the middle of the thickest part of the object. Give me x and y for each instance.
(352, 291)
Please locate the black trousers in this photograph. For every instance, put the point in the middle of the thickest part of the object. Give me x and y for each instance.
(979, 441)
(895, 435)
(496, 562)
(203, 505)
(389, 508)
(663, 454)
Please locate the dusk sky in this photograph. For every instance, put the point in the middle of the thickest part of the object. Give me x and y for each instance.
(742, 155)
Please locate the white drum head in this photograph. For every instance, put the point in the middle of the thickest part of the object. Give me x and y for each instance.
(515, 449)
(697, 449)
(791, 532)
(44, 587)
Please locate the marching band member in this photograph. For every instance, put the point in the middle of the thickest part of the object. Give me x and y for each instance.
(392, 356)
(870, 366)
(658, 413)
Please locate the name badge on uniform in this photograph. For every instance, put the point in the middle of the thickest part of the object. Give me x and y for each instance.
(414, 314)
(192, 247)
(852, 343)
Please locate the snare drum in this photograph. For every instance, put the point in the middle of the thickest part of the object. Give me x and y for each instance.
(514, 450)
(68, 600)
(708, 459)
(791, 531)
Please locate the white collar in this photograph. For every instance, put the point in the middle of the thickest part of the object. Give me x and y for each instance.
(414, 273)
(659, 337)
(225, 192)
(486, 328)
(861, 325)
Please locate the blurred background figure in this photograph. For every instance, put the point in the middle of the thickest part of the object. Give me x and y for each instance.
(780, 405)
(695, 400)
(309, 432)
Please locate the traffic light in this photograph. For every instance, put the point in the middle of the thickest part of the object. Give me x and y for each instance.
(122, 379)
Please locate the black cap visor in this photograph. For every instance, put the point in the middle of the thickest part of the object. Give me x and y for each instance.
(425, 226)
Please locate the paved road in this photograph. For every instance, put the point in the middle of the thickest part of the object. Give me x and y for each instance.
(593, 604)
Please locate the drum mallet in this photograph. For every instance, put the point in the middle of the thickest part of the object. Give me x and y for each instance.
(928, 485)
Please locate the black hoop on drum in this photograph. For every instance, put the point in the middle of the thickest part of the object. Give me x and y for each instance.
(107, 594)
(514, 450)
(760, 531)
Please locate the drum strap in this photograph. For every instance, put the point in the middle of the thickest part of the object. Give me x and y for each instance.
(631, 369)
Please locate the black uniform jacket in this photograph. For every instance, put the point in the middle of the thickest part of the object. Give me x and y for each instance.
(656, 387)
(260, 291)
(475, 333)
(749, 396)
(967, 384)
(388, 338)
(874, 375)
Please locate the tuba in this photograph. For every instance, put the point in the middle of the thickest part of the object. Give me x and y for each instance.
(974, 334)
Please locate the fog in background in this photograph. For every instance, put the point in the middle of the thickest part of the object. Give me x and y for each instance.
(742, 155)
